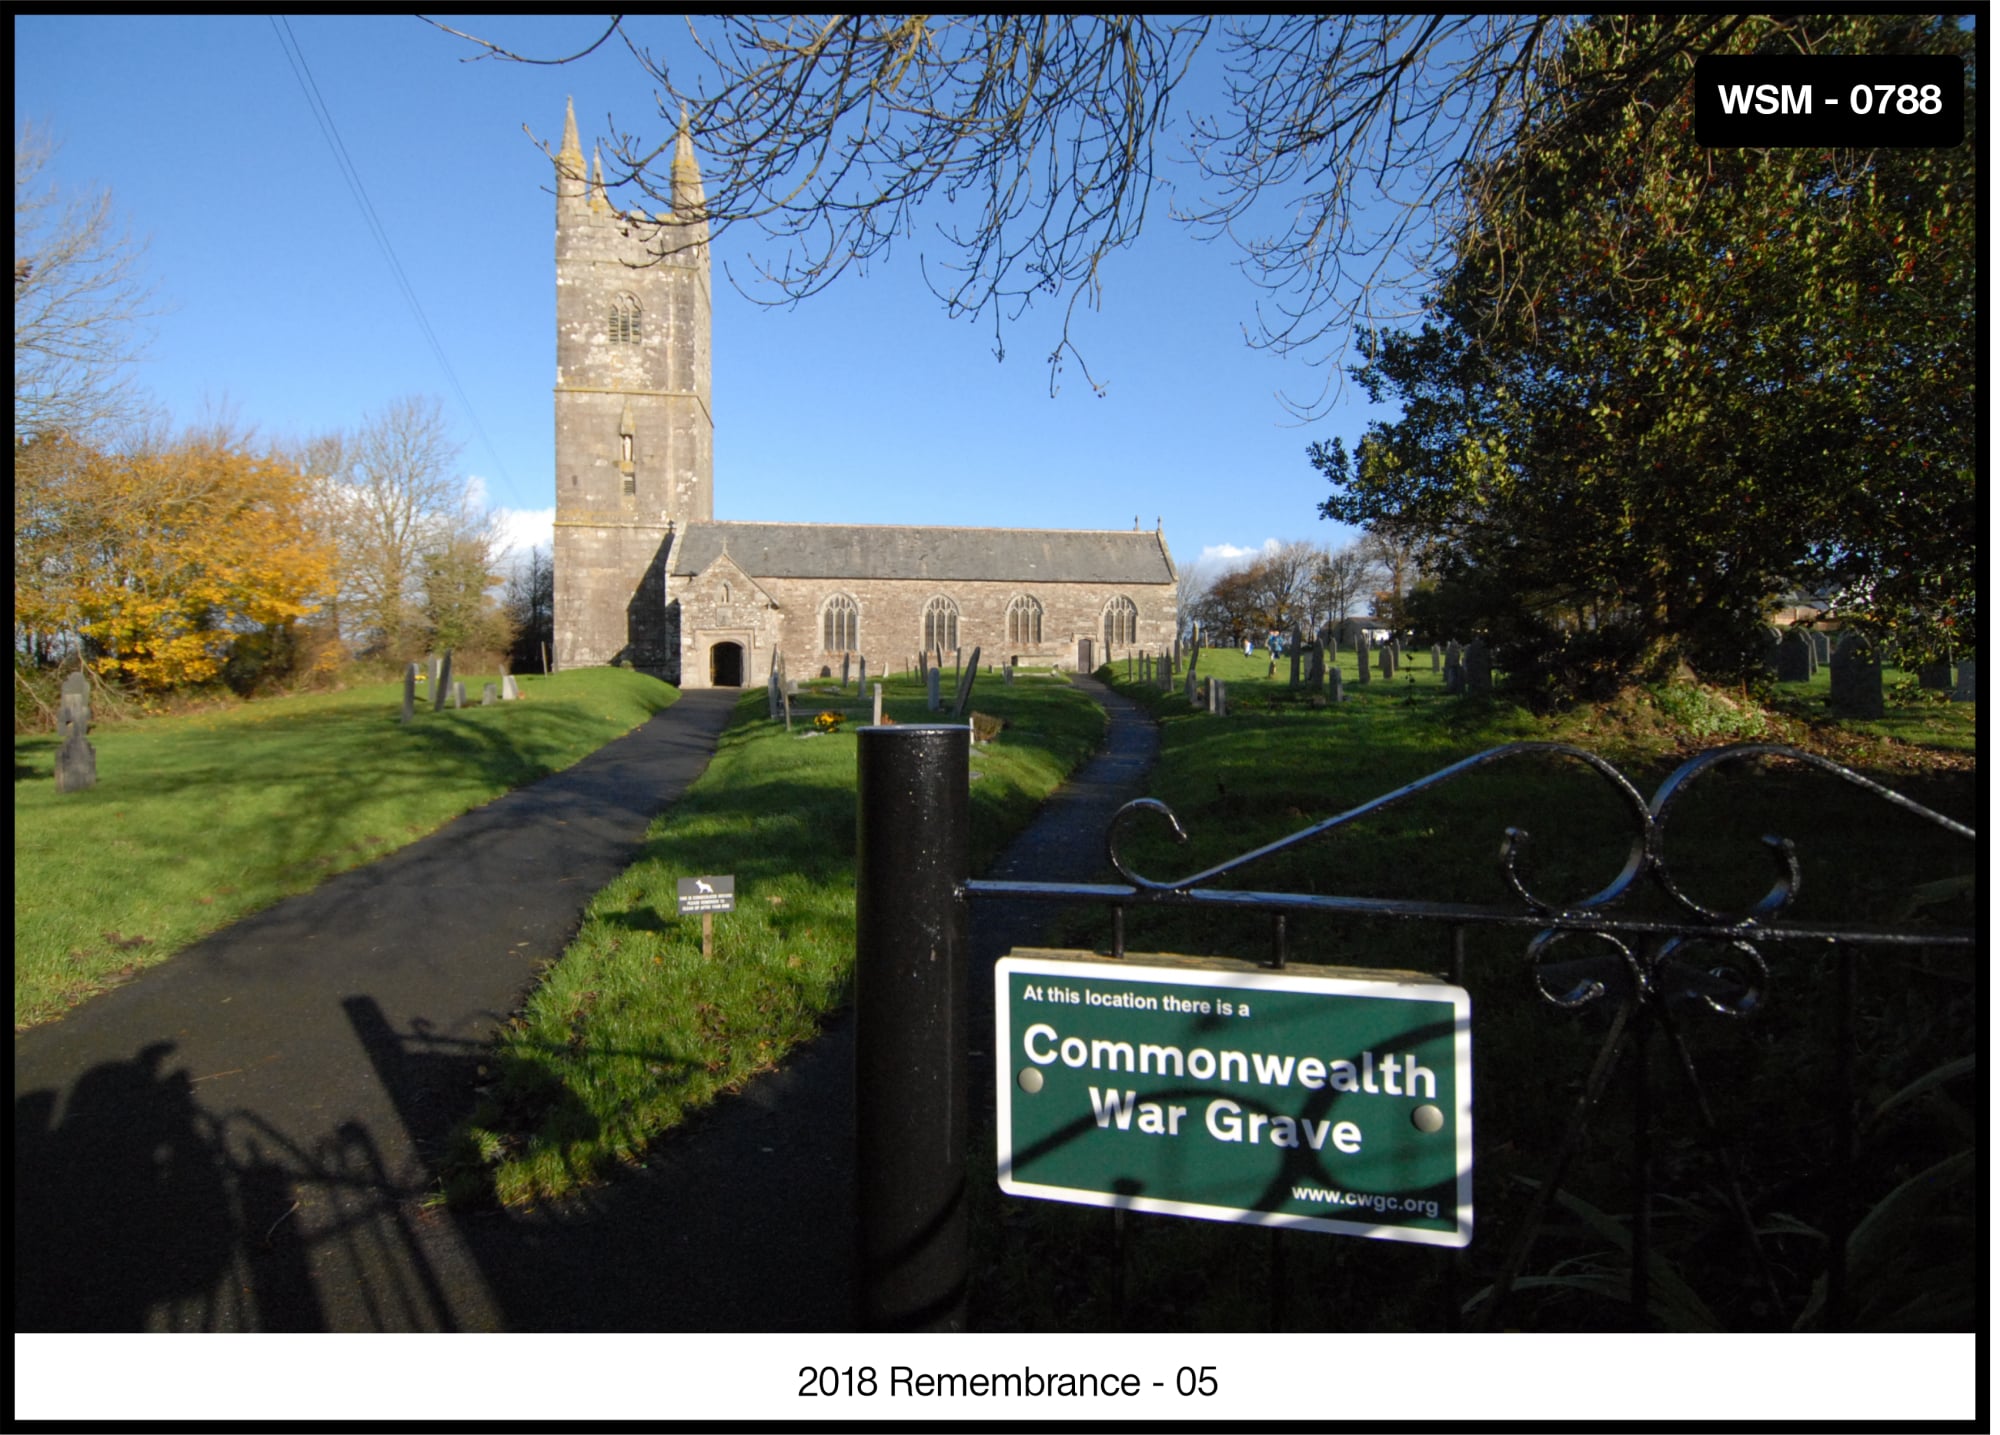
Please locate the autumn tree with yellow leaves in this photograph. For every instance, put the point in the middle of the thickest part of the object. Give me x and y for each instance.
(159, 562)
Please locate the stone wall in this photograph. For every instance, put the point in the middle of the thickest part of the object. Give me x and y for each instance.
(764, 613)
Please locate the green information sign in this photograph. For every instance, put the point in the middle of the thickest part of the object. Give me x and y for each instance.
(1307, 1097)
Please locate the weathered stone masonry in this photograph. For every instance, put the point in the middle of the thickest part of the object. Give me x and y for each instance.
(645, 577)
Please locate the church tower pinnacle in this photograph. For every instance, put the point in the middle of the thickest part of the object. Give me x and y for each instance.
(635, 445)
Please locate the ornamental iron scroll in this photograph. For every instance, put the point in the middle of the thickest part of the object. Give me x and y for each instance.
(1580, 954)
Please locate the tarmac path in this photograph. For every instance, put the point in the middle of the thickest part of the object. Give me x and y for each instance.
(244, 1137)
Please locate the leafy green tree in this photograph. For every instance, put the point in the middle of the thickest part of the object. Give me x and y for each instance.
(1664, 383)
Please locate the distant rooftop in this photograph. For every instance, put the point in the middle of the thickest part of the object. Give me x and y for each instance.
(861, 551)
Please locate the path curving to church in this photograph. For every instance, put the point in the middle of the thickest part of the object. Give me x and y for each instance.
(243, 1137)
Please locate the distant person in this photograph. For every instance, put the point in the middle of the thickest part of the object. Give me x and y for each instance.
(1249, 648)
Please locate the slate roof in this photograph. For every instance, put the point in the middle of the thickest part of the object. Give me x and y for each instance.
(970, 555)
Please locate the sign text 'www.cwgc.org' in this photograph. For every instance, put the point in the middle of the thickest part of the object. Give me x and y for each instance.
(1298, 1097)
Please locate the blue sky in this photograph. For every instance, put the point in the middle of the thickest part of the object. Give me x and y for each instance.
(864, 404)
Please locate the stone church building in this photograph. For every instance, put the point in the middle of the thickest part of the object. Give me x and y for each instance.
(645, 576)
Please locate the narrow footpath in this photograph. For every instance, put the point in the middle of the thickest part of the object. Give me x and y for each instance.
(244, 1138)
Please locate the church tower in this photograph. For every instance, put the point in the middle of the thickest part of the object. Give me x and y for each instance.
(635, 438)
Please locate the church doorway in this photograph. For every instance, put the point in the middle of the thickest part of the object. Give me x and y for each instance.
(725, 665)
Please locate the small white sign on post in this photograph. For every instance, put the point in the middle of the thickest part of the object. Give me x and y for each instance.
(706, 895)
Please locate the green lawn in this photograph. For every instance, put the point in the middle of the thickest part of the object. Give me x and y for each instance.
(631, 1029)
(198, 820)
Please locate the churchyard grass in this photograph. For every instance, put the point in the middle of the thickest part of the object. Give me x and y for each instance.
(632, 1029)
(1276, 765)
(198, 820)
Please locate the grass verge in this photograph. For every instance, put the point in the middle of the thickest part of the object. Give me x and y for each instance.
(1277, 764)
(631, 1029)
(201, 819)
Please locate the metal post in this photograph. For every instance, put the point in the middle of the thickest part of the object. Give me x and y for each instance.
(910, 1062)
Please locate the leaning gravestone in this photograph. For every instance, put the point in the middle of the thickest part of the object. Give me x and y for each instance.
(774, 694)
(1794, 657)
(409, 691)
(1967, 690)
(931, 702)
(965, 686)
(437, 672)
(1856, 679)
(1478, 668)
(76, 759)
(510, 691)
(441, 685)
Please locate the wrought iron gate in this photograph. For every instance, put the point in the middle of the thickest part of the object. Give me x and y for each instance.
(1648, 970)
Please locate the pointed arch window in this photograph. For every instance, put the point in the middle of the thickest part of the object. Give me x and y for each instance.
(940, 623)
(840, 625)
(624, 320)
(1024, 621)
(1121, 623)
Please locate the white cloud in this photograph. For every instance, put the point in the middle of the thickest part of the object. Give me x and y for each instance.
(1229, 555)
(525, 529)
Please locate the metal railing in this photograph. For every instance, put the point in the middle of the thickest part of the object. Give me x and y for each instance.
(1644, 966)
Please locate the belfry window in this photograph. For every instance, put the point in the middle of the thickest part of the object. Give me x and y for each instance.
(624, 320)
(1024, 622)
(940, 624)
(839, 625)
(1121, 623)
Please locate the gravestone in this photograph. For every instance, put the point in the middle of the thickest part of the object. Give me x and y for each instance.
(458, 695)
(1936, 677)
(1967, 690)
(1454, 667)
(846, 661)
(774, 693)
(826, 670)
(1794, 657)
(1856, 679)
(1190, 687)
(1822, 648)
(1218, 697)
(441, 684)
(1437, 658)
(437, 671)
(1316, 670)
(510, 691)
(878, 705)
(1388, 656)
(1771, 640)
(1361, 656)
(1336, 691)
(1478, 668)
(491, 696)
(1007, 673)
(965, 680)
(931, 703)
(76, 759)
(1295, 657)
(862, 681)
(409, 691)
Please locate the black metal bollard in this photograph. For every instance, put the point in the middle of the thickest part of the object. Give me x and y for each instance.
(912, 857)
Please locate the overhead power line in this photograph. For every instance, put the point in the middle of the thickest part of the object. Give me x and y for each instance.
(295, 56)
